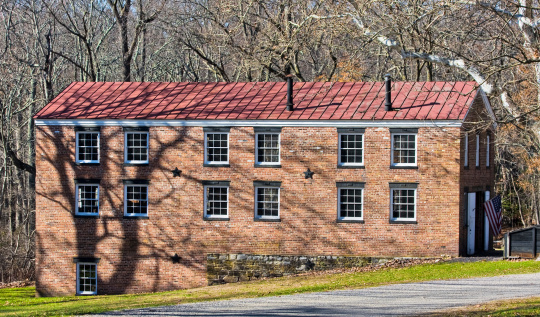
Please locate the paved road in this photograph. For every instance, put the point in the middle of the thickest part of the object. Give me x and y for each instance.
(392, 300)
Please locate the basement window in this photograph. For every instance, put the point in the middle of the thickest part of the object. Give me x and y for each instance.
(86, 278)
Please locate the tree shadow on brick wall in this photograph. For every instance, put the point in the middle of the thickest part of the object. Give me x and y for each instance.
(145, 246)
(111, 226)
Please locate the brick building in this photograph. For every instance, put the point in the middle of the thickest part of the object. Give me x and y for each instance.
(138, 182)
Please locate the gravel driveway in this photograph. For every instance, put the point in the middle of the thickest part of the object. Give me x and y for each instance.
(391, 300)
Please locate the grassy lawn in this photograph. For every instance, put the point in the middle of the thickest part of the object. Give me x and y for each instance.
(21, 301)
(513, 307)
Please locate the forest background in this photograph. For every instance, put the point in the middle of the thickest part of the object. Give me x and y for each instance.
(47, 44)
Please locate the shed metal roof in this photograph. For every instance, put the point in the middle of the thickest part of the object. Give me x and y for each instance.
(260, 101)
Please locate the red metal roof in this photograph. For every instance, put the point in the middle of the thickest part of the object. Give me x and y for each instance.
(260, 101)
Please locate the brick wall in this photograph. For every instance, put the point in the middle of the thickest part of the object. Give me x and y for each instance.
(476, 178)
(135, 253)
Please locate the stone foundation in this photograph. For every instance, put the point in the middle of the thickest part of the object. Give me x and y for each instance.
(232, 268)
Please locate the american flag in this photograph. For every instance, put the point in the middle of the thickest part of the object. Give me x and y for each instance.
(493, 210)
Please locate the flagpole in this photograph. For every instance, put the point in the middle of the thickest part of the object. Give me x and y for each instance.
(487, 235)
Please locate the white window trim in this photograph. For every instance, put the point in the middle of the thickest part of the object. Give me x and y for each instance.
(77, 147)
(77, 195)
(339, 203)
(392, 203)
(477, 150)
(257, 149)
(487, 150)
(126, 148)
(340, 163)
(278, 202)
(415, 150)
(466, 158)
(77, 277)
(147, 201)
(206, 215)
(206, 149)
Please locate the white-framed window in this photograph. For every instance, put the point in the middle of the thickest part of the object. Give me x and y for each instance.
(350, 201)
(86, 278)
(267, 200)
(267, 148)
(351, 147)
(403, 202)
(487, 149)
(466, 158)
(216, 146)
(477, 150)
(87, 146)
(404, 147)
(136, 147)
(135, 199)
(216, 199)
(87, 201)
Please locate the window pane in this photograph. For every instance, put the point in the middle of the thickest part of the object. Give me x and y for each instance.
(88, 146)
(137, 199)
(88, 199)
(350, 202)
(267, 202)
(216, 201)
(87, 278)
(404, 149)
(217, 147)
(403, 203)
(351, 148)
(137, 146)
(267, 148)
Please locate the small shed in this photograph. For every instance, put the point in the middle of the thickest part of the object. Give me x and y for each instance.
(524, 242)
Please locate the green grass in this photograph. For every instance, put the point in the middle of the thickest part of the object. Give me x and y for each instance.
(512, 307)
(21, 301)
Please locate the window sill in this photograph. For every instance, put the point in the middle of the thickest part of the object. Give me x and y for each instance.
(266, 220)
(408, 222)
(397, 167)
(86, 216)
(478, 167)
(86, 164)
(215, 219)
(267, 165)
(466, 167)
(136, 164)
(216, 165)
(135, 217)
(351, 166)
(349, 221)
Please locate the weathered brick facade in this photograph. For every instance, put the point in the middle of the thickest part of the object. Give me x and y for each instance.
(135, 254)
